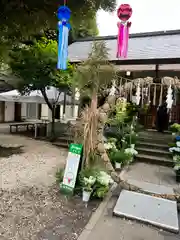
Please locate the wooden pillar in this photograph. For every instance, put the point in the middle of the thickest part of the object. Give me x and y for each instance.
(154, 108)
(157, 73)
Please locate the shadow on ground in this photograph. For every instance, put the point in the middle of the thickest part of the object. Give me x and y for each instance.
(44, 214)
(6, 152)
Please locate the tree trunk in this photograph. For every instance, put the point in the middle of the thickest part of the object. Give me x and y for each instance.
(43, 91)
(64, 104)
(103, 116)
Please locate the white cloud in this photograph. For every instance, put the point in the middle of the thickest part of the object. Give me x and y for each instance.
(148, 15)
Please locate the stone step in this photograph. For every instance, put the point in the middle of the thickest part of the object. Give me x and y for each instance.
(161, 136)
(151, 187)
(155, 131)
(155, 135)
(155, 160)
(65, 138)
(154, 152)
(154, 139)
(152, 145)
(61, 144)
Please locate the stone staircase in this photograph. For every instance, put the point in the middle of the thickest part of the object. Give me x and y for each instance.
(63, 141)
(152, 147)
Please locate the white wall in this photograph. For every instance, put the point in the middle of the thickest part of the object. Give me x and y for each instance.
(69, 112)
(9, 111)
(45, 112)
(24, 110)
(1, 114)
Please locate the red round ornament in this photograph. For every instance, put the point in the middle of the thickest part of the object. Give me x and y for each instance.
(124, 12)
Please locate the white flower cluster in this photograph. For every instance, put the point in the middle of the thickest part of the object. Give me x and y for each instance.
(174, 149)
(104, 179)
(131, 151)
(89, 181)
(176, 158)
(109, 145)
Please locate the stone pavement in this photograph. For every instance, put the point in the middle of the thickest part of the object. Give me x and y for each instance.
(159, 175)
(106, 226)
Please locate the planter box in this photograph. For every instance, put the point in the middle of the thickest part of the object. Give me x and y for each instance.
(86, 196)
(118, 166)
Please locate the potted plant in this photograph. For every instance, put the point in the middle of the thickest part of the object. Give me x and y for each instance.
(102, 185)
(131, 139)
(176, 159)
(131, 152)
(88, 183)
(119, 158)
(174, 128)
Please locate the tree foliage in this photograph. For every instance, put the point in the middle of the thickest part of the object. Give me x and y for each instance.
(21, 19)
(95, 74)
(36, 66)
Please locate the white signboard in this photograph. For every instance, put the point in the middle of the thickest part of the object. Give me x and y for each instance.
(72, 166)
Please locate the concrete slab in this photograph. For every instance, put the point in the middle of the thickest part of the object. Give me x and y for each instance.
(151, 187)
(156, 211)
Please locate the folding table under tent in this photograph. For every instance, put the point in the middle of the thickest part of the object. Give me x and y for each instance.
(33, 97)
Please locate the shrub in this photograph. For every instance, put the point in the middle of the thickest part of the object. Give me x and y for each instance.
(119, 157)
(175, 127)
(131, 138)
(59, 175)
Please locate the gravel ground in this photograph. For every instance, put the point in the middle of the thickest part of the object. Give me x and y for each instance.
(35, 164)
(31, 207)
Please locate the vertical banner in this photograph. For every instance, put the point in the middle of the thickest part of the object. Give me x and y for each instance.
(71, 170)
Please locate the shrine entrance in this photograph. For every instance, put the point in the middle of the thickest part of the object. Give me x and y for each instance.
(149, 96)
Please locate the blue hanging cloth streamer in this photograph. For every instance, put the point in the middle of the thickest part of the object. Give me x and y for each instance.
(63, 15)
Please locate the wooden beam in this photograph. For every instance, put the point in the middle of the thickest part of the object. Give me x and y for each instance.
(156, 61)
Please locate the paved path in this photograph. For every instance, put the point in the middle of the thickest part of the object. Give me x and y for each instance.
(159, 175)
(109, 227)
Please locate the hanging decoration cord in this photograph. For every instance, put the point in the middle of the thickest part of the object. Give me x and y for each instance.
(149, 94)
(142, 94)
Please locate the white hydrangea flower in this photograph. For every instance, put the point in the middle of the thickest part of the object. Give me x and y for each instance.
(174, 149)
(89, 181)
(104, 178)
(131, 151)
(109, 145)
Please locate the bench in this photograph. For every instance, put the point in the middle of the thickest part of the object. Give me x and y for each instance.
(27, 125)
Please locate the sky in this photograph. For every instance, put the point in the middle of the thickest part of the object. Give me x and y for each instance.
(147, 16)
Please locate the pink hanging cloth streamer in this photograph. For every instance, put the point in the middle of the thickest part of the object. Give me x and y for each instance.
(124, 13)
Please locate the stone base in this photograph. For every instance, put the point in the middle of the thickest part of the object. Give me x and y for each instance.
(159, 212)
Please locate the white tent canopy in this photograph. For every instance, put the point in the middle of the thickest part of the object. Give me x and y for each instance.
(34, 96)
